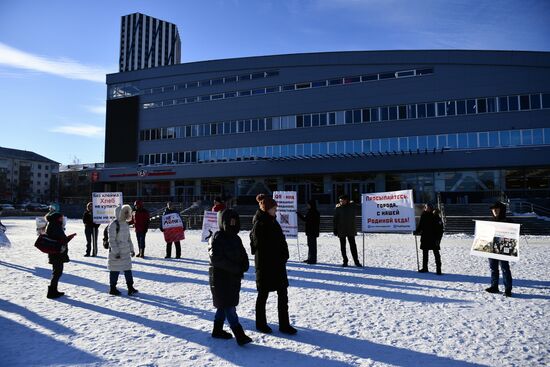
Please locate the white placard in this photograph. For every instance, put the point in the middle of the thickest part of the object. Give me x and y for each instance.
(496, 240)
(287, 205)
(391, 211)
(209, 225)
(104, 204)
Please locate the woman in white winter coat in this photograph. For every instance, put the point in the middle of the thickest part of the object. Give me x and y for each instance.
(121, 250)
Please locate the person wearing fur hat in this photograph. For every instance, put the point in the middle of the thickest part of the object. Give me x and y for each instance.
(121, 250)
(54, 230)
(228, 263)
(498, 210)
(270, 256)
(140, 220)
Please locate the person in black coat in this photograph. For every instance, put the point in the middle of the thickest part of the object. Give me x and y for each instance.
(90, 231)
(313, 222)
(344, 227)
(170, 210)
(498, 210)
(430, 230)
(271, 254)
(54, 230)
(228, 263)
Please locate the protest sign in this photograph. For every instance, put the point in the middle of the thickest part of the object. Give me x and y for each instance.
(209, 225)
(172, 227)
(496, 240)
(103, 206)
(391, 211)
(287, 205)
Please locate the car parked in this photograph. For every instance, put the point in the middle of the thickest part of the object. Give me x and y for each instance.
(6, 207)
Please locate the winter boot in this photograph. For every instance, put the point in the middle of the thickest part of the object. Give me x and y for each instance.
(508, 293)
(113, 291)
(287, 329)
(492, 289)
(53, 293)
(131, 290)
(241, 337)
(264, 328)
(219, 333)
(423, 270)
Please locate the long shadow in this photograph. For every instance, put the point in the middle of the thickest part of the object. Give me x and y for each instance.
(22, 346)
(16, 267)
(35, 318)
(247, 356)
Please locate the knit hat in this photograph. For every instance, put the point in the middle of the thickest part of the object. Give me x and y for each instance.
(260, 197)
(267, 203)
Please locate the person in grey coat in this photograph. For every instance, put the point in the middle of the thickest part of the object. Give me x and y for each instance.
(121, 250)
(228, 263)
(344, 227)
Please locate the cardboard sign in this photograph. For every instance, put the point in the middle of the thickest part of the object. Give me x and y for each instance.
(287, 205)
(496, 240)
(172, 227)
(104, 204)
(209, 225)
(391, 211)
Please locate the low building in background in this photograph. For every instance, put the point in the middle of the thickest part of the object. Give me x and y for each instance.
(77, 182)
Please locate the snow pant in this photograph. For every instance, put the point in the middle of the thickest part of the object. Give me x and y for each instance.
(506, 274)
(91, 240)
(57, 271)
(312, 249)
(229, 313)
(169, 249)
(353, 248)
(140, 236)
(113, 278)
(282, 307)
(425, 257)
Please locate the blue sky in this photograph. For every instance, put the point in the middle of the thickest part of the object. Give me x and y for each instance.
(54, 54)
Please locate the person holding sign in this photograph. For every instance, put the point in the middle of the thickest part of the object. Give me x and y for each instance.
(498, 210)
(270, 251)
(173, 227)
(313, 221)
(344, 226)
(430, 229)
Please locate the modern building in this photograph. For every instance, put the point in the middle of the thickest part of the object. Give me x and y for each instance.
(467, 125)
(27, 176)
(147, 42)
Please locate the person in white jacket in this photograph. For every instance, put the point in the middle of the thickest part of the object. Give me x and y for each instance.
(121, 250)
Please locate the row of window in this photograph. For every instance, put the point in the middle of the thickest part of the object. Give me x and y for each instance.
(122, 90)
(290, 87)
(524, 102)
(453, 141)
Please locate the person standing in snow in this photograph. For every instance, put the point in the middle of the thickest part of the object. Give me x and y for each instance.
(170, 210)
(121, 250)
(344, 227)
(140, 220)
(498, 210)
(228, 263)
(90, 231)
(269, 246)
(55, 231)
(430, 230)
(313, 221)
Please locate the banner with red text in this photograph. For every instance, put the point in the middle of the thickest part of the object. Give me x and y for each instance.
(287, 204)
(104, 204)
(391, 211)
(172, 227)
(209, 225)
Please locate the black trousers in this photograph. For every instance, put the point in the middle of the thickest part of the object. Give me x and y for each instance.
(91, 239)
(282, 307)
(57, 271)
(169, 249)
(425, 257)
(353, 248)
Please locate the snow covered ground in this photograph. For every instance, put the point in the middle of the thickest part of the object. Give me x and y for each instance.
(384, 314)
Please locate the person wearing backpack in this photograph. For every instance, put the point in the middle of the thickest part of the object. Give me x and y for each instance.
(121, 250)
(91, 230)
(55, 231)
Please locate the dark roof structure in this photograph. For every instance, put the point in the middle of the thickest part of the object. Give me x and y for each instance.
(23, 155)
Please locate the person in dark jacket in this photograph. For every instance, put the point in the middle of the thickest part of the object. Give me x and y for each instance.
(430, 236)
(54, 230)
(90, 231)
(344, 226)
(313, 222)
(271, 254)
(228, 263)
(140, 220)
(498, 210)
(219, 204)
(170, 210)
(258, 213)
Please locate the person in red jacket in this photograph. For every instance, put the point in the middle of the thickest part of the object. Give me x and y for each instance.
(140, 220)
(219, 205)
